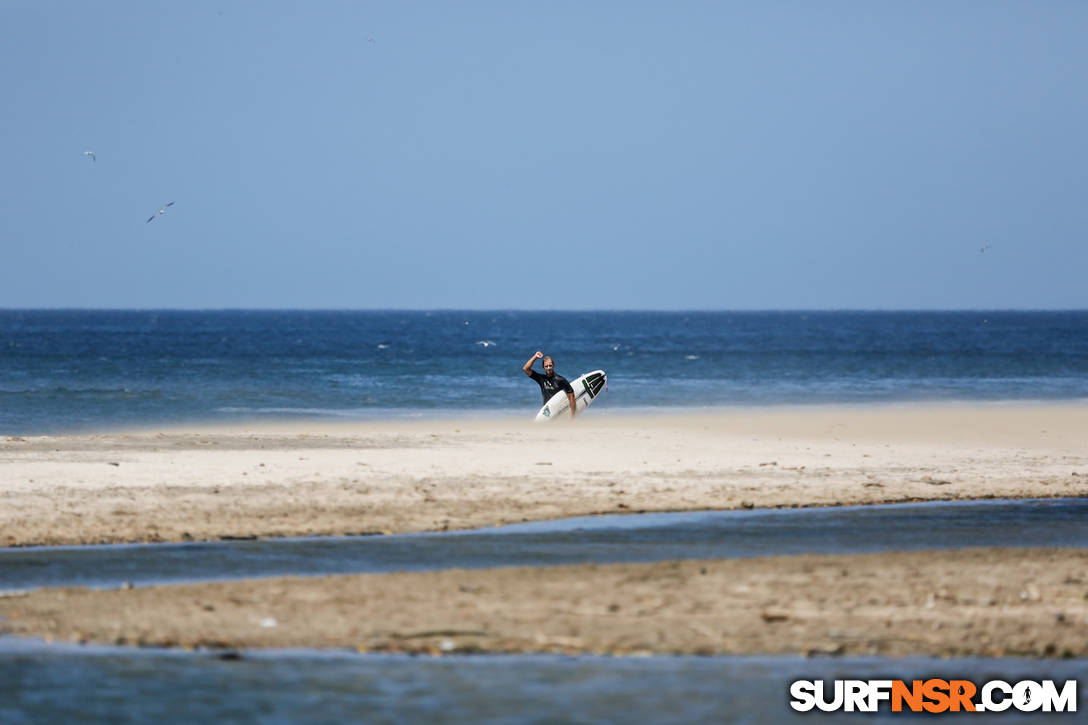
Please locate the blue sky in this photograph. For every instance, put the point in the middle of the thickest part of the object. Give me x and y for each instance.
(534, 155)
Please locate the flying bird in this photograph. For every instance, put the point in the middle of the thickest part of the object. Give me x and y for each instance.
(162, 210)
(986, 248)
(89, 153)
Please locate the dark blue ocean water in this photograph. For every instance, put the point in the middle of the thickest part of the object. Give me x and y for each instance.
(63, 370)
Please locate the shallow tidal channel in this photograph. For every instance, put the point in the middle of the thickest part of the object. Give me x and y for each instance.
(592, 539)
(97, 684)
(70, 684)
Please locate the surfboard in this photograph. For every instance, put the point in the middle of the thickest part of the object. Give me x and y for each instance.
(586, 387)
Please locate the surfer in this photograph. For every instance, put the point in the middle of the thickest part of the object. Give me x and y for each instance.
(549, 382)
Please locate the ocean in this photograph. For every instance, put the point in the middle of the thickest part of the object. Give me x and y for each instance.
(85, 370)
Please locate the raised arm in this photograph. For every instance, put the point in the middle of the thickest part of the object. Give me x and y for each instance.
(528, 366)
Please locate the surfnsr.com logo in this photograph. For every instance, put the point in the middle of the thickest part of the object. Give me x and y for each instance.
(933, 696)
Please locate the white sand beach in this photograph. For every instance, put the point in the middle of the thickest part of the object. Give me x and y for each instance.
(315, 479)
(306, 478)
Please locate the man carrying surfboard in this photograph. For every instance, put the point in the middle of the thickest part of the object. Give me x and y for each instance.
(549, 382)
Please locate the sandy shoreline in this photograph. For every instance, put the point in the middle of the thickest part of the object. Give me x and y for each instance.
(975, 602)
(312, 479)
(331, 479)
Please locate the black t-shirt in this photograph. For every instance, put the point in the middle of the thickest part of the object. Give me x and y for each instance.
(550, 386)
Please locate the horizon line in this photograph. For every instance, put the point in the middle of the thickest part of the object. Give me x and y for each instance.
(552, 309)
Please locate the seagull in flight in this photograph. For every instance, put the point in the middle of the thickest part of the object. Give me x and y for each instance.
(986, 248)
(89, 153)
(162, 210)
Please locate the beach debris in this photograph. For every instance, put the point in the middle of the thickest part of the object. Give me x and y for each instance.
(935, 481)
(114, 463)
(268, 622)
(771, 616)
(832, 650)
(427, 634)
(162, 210)
(126, 586)
(768, 463)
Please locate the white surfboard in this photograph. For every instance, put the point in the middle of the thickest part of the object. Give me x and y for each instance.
(586, 387)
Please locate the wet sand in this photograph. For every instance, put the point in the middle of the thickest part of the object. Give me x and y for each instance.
(329, 479)
(975, 602)
(319, 479)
